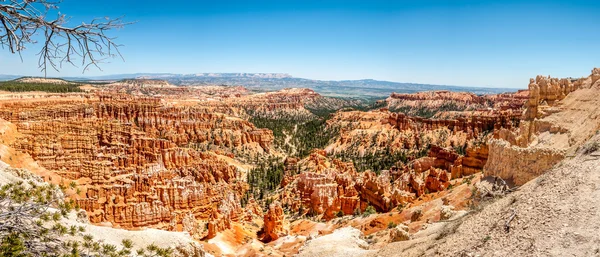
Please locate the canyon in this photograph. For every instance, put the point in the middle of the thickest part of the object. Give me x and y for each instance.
(246, 173)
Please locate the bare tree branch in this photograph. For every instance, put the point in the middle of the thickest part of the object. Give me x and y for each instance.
(86, 43)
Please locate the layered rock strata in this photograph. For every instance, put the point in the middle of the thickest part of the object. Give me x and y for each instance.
(433, 102)
(140, 162)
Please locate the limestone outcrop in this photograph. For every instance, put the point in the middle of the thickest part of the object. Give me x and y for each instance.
(399, 233)
(560, 115)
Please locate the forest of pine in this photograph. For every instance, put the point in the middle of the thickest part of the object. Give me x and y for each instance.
(15, 86)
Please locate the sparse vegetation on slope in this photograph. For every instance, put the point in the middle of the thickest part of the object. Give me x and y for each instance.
(428, 112)
(31, 224)
(376, 161)
(297, 137)
(264, 179)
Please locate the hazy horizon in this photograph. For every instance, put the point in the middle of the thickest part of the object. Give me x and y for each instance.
(107, 77)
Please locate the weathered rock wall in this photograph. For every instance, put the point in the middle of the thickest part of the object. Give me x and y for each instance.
(518, 164)
(559, 116)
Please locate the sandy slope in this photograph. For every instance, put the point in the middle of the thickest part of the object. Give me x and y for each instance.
(557, 214)
(342, 242)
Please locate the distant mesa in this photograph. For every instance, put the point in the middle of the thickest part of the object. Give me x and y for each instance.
(220, 75)
(143, 83)
(246, 75)
(364, 89)
(43, 80)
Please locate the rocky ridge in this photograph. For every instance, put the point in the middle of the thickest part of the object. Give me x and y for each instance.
(561, 114)
(430, 103)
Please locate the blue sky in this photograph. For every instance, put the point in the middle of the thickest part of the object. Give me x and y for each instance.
(468, 43)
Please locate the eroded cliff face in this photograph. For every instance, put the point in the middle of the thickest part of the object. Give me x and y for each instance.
(451, 105)
(561, 114)
(436, 103)
(412, 103)
(508, 101)
(364, 132)
(140, 162)
(291, 104)
(327, 187)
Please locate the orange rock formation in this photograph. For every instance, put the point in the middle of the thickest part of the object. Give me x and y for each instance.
(274, 223)
(137, 159)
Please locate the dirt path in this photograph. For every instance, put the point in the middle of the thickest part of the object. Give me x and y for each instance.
(288, 137)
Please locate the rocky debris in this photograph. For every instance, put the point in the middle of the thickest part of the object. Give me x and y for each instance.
(399, 233)
(274, 223)
(252, 210)
(446, 212)
(416, 215)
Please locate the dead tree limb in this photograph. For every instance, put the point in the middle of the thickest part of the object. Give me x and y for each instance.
(507, 224)
(23, 22)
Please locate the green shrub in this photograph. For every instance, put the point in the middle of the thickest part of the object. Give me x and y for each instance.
(369, 210)
(12, 245)
(391, 224)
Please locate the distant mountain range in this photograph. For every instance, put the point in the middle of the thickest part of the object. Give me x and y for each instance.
(366, 88)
